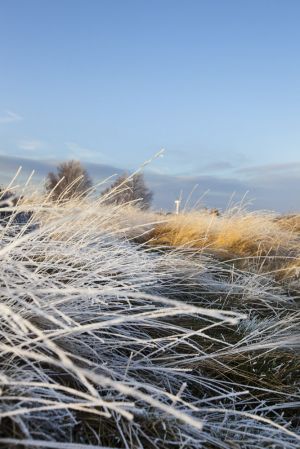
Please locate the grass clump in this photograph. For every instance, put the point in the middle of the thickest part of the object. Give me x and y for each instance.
(247, 239)
(106, 342)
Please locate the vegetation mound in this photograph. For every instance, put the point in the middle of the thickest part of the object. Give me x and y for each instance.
(122, 328)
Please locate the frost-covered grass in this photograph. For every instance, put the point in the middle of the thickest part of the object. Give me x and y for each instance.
(109, 341)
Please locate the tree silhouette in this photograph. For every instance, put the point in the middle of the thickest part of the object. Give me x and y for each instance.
(70, 181)
(129, 189)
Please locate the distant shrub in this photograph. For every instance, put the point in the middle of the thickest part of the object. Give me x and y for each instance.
(9, 210)
(71, 180)
(129, 189)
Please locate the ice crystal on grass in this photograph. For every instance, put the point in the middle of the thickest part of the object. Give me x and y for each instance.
(109, 342)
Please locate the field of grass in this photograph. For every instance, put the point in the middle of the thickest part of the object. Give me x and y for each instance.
(128, 329)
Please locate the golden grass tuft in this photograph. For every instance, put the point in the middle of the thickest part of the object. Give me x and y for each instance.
(252, 236)
(289, 222)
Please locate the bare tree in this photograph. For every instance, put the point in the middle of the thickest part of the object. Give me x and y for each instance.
(71, 180)
(128, 189)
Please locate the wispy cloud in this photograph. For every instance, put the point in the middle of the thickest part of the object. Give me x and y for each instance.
(77, 151)
(219, 166)
(270, 169)
(30, 145)
(10, 117)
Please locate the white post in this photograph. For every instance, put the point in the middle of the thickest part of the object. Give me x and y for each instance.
(177, 205)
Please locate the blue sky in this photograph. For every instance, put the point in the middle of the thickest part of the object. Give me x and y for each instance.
(215, 83)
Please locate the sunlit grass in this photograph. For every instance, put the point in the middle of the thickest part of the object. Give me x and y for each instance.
(129, 329)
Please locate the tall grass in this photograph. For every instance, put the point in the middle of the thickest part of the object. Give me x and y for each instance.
(106, 341)
(258, 239)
